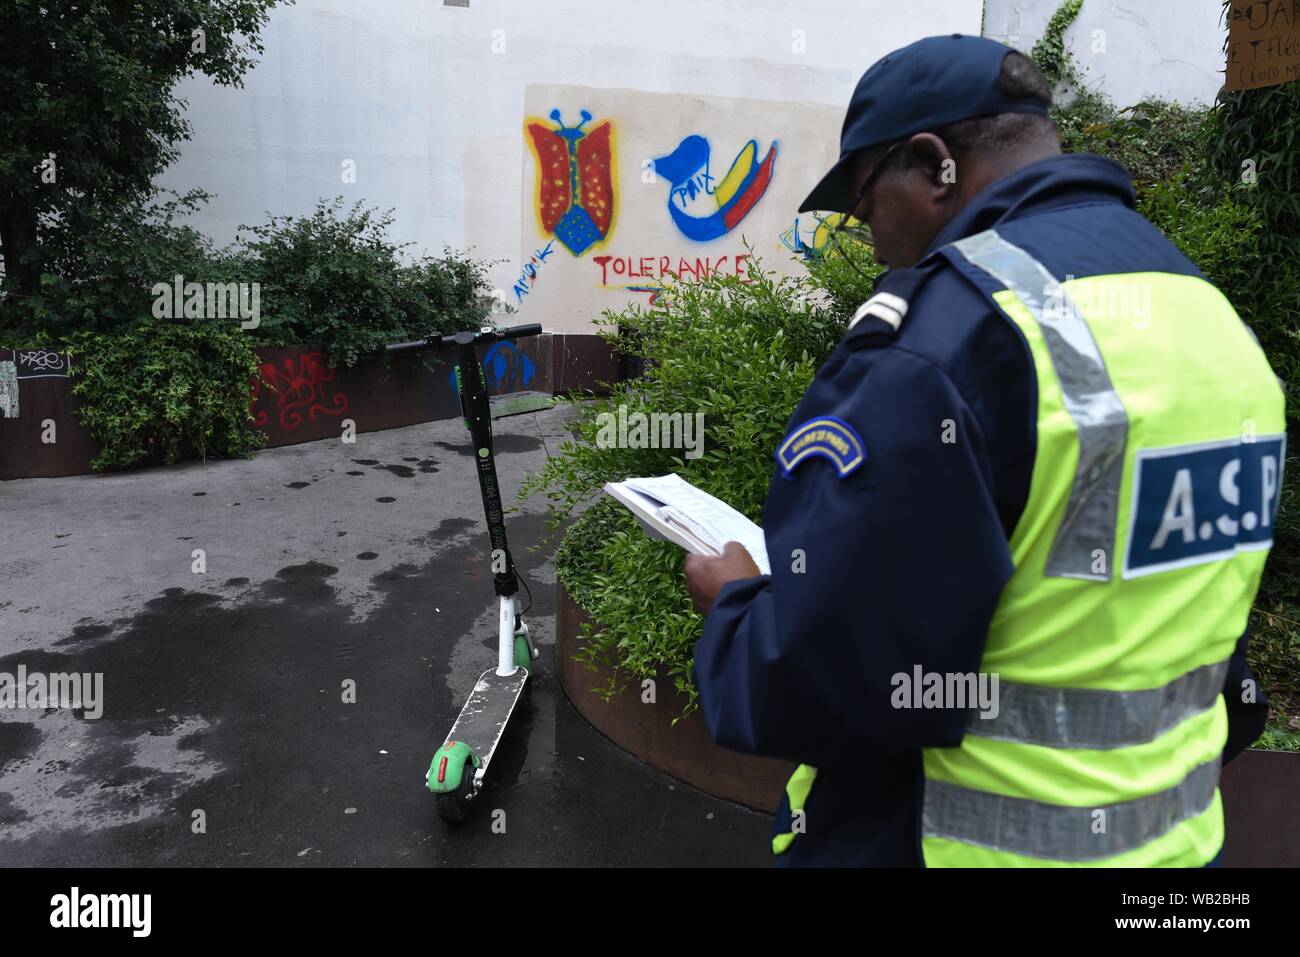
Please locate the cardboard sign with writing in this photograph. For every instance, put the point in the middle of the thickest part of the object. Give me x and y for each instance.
(1263, 43)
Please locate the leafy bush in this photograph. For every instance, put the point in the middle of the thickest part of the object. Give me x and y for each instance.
(157, 390)
(152, 390)
(742, 354)
(339, 283)
(1153, 140)
(100, 271)
(1275, 622)
(1216, 229)
(1049, 52)
(165, 391)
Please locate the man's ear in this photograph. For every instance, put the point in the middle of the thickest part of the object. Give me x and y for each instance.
(932, 157)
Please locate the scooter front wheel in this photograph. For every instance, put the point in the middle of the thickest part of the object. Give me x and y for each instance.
(453, 806)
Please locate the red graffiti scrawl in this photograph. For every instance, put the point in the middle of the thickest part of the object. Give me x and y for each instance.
(300, 387)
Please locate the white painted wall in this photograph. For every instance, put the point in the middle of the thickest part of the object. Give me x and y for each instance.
(425, 97)
(429, 101)
(1171, 49)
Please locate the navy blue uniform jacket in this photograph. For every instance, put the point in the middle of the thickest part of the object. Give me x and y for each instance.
(906, 556)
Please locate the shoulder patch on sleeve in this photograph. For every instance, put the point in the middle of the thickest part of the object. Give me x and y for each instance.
(883, 305)
(826, 436)
(894, 292)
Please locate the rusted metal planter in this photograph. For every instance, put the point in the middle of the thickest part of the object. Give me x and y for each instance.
(299, 398)
(46, 436)
(684, 751)
(1259, 802)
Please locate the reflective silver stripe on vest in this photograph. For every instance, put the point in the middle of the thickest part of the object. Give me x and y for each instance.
(1098, 414)
(1056, 833)
(1089, 718)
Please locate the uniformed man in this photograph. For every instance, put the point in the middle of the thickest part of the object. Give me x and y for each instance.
(1019, 517)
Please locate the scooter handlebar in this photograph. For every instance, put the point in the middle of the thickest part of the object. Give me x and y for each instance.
(467, 337)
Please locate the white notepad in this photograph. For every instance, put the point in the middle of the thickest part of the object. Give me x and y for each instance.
(671, 508)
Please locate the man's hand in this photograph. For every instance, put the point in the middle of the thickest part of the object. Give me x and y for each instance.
(706, 574)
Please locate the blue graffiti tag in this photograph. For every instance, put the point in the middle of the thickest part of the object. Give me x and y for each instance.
(703, 207)
(505, 369)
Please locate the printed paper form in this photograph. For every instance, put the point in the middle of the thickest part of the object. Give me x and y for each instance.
(700, 516)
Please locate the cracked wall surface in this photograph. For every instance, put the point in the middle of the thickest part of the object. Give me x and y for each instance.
(1167, 49)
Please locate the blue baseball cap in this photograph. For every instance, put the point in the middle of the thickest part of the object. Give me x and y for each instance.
(925, 85)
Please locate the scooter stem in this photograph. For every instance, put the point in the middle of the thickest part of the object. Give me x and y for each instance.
(506, 637)
(478, 416)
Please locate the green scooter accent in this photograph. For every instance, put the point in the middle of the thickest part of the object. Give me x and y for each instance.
(458, 756)
(460, 393)
(523, 657)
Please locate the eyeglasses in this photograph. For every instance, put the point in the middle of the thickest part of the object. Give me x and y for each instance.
(850, 229)
(875, 175)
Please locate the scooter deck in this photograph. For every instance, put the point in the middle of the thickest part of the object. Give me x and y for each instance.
(487, 710)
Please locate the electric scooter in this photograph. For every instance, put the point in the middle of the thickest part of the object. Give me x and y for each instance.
(456, 773)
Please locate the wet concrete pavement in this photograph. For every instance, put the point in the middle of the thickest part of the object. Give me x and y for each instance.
(324, 564)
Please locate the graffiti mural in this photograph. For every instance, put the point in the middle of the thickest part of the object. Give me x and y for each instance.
(575, 180)
(702, 208)
(587, 175)
(505, 368)
(528, 275)
(814, 246)
(657, 267)
(301, 384)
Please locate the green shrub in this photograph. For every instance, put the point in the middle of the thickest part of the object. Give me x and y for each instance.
(742, 354)
(166, 391)
(1049, 52)
(1218, 230)
(152, 390)
(158, 390)
(100, 271)
(335, 280)
(1153, 140)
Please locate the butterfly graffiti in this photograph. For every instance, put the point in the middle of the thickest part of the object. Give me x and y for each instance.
(575, 188)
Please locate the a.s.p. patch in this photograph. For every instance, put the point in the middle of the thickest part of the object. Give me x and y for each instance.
(827, 437)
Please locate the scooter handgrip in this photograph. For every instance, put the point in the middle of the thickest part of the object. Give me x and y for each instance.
(518, 332)
(398, 348)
